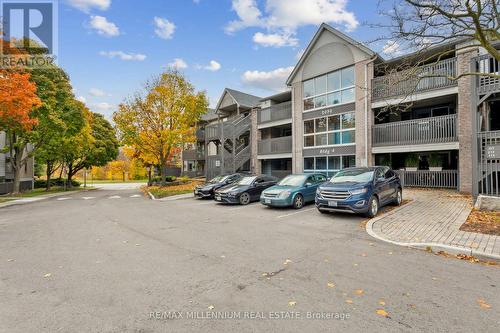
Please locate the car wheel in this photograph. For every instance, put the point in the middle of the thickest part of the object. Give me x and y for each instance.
(399, 198)
(298, 202)
(244, 199)
(373, 207)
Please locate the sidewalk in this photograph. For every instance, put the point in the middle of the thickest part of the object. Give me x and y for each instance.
(24, 201)
(433, 219)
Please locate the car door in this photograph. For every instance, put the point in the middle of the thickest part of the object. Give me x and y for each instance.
(309, 191)
(257, 187)
(392, 182)
(381, 185)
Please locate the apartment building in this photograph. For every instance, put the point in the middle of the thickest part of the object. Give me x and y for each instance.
(7, 174)
(347, 106)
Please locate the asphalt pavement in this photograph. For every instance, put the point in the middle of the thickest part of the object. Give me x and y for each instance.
(114, 261)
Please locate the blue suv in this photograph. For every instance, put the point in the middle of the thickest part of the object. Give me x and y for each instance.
(360, 190)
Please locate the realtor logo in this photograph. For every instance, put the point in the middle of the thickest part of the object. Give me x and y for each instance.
(29, 27)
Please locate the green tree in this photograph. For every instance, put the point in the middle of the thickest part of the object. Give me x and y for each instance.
(162, 119)
(95, 145)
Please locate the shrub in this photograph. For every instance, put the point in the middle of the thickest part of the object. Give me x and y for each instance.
(42, 183)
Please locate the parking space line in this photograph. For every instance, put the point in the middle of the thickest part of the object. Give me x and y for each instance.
(295, 213)
(242, 207)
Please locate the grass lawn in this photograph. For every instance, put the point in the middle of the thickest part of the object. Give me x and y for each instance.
(2, 200)
(168, 191)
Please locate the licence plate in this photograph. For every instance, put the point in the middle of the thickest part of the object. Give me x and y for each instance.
(267, 201)
(218, 198)
(333, 203)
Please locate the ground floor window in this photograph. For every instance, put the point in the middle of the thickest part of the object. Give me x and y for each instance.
(190, 165)
(329, 165)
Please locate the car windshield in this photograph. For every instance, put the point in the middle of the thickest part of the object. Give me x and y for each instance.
(246, 180)
(353, 176)
(218, 179)
(293, 180)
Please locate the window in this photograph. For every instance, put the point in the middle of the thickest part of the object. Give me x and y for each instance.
(330, 89)
(329, 165)
(329, 131)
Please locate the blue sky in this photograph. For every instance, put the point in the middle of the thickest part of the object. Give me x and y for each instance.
(111, 47)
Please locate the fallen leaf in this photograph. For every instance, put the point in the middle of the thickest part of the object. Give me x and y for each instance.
(137, 244)
(482, 303)
(330, 285)
(292, 303)
(264, 274)
(390, 252)
(47, 275)
(349, 301)
(211, 307)
(359, 291)
(363, 254)
(371, 244)
(383, 313)
(10, 260)
(125, 242)
(287, 262)
(381, 302)
(434, 278)
(223, 257)
(356, 264)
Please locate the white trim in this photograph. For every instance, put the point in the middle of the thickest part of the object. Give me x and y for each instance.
(415, 97)
(274, 156)
(416, 148)
(275, 123)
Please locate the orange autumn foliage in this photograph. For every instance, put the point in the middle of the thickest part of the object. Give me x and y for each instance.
(18, 98)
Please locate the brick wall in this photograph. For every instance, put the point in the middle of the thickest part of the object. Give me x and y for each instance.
(361, 142)
(465, 120)
(297, 128)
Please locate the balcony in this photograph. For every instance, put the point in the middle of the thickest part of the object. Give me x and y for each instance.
(409, 82)
(281, 145)
(200, 135)
(277, 112)
(487, 84)
(413, 132)
(193, 155)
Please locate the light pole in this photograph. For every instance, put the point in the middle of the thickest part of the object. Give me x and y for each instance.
(148, 169)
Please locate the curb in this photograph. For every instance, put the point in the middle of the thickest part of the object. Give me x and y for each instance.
(424, 246)
(24, 201)
(172, 198)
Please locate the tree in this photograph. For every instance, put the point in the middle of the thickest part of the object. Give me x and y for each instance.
(18, 100)
(61, 116)
(94, 145)
(421, 25)
(161, 120)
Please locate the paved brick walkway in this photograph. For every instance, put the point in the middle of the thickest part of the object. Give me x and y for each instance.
(433, 218)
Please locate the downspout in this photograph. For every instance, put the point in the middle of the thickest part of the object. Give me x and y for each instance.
(366, 107)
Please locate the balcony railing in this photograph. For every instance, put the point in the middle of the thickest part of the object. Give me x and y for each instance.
(421, 131)
(275, 146)
(193, 155)
(487, 84)
(412, 81)
(425, 178)
(276, 112)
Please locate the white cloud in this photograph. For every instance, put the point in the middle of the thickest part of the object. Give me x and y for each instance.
(274, 80)
(97, 92)
(275, 40)
(86, 5)
(103, 26)
(213, 66)
(284, 17)
(178, 63)
(392, 48)
(81, 99)
(123, 56)
(164, 28)
(104, 106)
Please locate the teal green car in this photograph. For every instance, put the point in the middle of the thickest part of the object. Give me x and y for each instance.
(293, 191)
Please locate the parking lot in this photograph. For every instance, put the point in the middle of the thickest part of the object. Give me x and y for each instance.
(114, 261)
